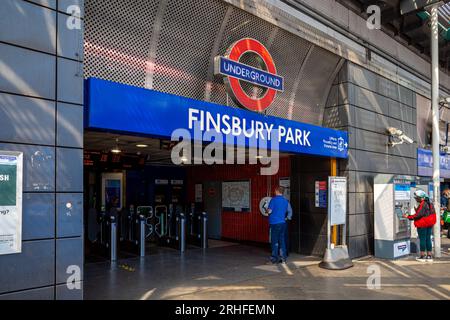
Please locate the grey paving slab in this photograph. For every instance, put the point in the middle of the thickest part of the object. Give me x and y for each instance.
(240, 272)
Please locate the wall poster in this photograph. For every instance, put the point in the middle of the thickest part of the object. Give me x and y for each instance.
(11, 177)
(236, 196)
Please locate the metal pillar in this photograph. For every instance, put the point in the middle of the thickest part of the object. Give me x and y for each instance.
(204, 230)
(113, 239)
(435, 114)
(142, 236)
(182, 232)
(334, 229)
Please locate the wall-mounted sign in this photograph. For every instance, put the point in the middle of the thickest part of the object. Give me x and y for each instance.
(176, 182)
(234, 71)
(11, 177)
(320, 194)
(112, 190)
(236, 196)
(425, 163)
(337, 199)
(127, 109)
(163, 182)
(212, 192)
(286, 184)
(402, 191)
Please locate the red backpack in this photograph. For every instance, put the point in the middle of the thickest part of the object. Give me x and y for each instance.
(429, 219)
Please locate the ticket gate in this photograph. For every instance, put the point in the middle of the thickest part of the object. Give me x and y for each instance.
(165, 225)
(161, 214)
(107, 242)
(197, 226)
(124, 232)
(132, 232)
(147, 213)
(175, 233)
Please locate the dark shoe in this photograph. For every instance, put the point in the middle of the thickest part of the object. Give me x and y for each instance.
(271, 262)
(429, 259)
(283, 262)
(421, 259)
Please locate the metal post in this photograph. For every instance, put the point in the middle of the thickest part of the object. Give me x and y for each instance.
(334, 229)
(329, 216)
(191, 219)
(183, 232)
(204, 230)
(435, 114)
(142, 236)
(131, 224)
(113, 239)
(102, 221)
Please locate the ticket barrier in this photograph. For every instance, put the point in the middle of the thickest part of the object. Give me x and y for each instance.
(132, 232)
(175, 236)
(123, 232)
(165, 225)
(147, 214)
(160, 226)
(108, 235)
(197, 228)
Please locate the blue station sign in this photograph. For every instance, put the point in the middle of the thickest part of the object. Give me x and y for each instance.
(126, 109)
(425, 163)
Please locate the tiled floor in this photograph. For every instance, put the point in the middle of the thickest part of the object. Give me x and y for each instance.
(228, 271)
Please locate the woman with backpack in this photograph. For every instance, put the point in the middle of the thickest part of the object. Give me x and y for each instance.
(424, 220)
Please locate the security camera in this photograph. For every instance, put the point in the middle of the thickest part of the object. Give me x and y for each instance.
(446, 149)
(407, 139)
(445, 100)
(398, 137)
(395, 132)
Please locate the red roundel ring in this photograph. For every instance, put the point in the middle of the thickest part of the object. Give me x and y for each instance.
(235, 53)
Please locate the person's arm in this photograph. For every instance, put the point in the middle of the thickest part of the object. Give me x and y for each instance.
(289, 211)
(420, 212)
(270, 207)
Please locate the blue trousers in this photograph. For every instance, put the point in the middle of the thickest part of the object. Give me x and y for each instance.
(278, 241)
(425, 239)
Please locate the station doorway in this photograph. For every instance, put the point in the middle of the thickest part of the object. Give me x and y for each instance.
(132, 180)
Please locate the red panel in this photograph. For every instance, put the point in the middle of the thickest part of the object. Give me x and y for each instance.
(251, 226)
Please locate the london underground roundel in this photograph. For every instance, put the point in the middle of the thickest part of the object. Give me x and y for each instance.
(238, 74)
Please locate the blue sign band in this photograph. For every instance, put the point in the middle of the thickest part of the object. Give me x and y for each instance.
(425, 163)
(131, 110)
(247, 73)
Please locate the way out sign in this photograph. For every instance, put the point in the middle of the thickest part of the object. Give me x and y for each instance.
(11, 173)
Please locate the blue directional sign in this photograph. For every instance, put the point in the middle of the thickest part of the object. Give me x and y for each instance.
(131, 110)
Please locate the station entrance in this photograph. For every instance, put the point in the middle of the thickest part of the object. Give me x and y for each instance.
(134, 189)
(137, 202)
(136, 199)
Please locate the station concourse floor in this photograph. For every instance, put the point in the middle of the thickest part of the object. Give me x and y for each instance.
(229, 271)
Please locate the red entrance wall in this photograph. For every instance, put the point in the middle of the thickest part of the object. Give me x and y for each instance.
(246, 226)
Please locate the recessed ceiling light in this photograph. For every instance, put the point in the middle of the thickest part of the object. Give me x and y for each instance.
(141, 145)
(116, 149)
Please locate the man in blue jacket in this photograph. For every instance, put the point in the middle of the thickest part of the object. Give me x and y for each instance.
(279, 211)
